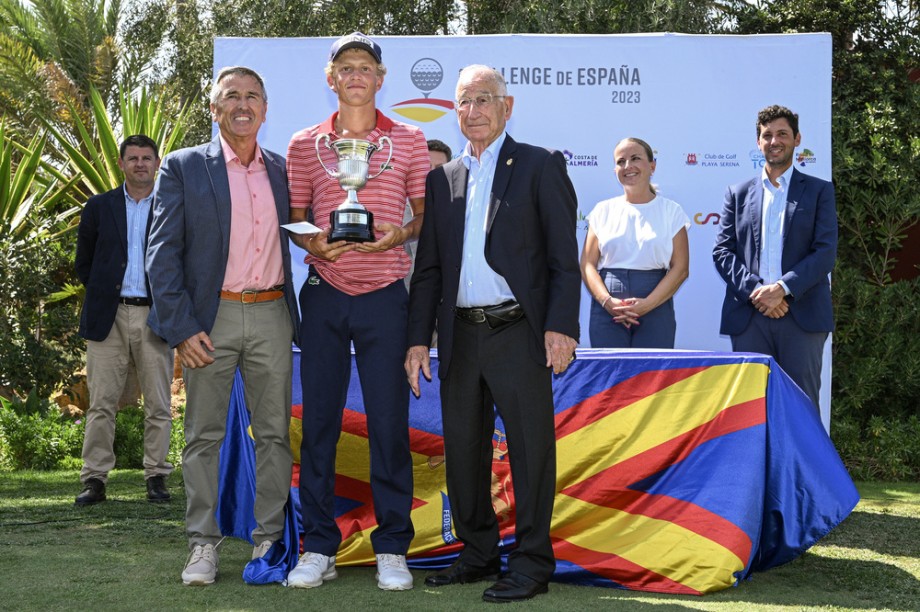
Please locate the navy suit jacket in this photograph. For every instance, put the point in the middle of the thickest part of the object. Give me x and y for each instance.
(101, 260)
(190, 239)
(530, 241)
(809, 251)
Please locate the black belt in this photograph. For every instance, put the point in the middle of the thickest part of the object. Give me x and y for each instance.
(494, 316)
(134, 301)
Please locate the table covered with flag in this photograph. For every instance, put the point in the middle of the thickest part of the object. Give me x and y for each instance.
(678, 472)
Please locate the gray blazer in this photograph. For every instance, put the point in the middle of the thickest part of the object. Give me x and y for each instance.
(190, 240)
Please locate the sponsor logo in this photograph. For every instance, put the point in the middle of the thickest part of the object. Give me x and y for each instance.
(806, 156)
(707, 218)
(427, 75)
(713, 160)
(573, 160)
(803, 158)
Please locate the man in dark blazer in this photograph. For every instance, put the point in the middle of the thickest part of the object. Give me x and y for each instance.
(497, 267)
(220, 272)
(111, 242)
(776, 246)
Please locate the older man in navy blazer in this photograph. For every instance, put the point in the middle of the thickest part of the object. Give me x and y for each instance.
(776, 246)
(220, 271)
(497, 267)
(111, 242)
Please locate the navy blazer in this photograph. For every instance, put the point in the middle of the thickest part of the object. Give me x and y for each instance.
(101, 260)
(530, 241)
(190, 239)
(809, 251)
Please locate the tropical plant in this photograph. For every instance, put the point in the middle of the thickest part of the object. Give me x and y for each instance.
(53, 51)
(27, 199)
(94, 149)
(37, 342)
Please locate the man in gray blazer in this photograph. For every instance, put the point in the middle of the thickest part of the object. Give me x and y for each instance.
(220, 274)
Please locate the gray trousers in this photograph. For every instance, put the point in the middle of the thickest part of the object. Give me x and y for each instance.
(256, 338)
(798, 352)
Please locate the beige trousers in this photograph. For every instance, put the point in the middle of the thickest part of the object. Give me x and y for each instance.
(130, 344)
(257, 339)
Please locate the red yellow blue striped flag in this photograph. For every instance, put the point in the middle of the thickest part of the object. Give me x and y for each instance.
(678, 472)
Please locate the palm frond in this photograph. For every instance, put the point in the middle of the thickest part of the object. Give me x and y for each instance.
(23, 83)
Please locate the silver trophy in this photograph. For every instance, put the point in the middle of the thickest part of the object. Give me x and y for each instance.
(351, 221)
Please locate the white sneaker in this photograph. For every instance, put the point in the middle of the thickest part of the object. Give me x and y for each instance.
(201, 567)
(262, 549)
(392, 573)
(312, 570)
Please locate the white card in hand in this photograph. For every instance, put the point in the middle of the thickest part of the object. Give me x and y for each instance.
(301, 227)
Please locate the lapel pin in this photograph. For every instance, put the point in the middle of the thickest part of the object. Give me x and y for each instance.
(509, 162)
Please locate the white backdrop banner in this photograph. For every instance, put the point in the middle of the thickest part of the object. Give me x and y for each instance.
(693, 98)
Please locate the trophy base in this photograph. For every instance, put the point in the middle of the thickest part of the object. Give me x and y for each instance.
(351, 225)
(352, 234)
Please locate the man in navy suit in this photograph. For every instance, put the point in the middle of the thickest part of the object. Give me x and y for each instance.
(497, 267)
(776, 246)
(111, 242)
(220, 272)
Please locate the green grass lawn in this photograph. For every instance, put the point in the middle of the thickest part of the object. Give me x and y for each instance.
(127, 554)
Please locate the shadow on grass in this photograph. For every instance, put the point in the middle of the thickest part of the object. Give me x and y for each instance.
(808, 582)
(886, 534)
(815, 579)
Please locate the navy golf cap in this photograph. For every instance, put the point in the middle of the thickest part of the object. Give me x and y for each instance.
(355, 40)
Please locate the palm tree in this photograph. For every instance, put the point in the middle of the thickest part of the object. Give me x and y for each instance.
(51, 53)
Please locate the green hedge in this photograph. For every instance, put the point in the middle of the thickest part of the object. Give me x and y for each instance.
(876, 383)
(34, 435)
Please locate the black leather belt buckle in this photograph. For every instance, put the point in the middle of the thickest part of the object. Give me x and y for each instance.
(470, 315)
(494, 316)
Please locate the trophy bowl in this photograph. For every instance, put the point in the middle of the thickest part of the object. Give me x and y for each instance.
(351, 221)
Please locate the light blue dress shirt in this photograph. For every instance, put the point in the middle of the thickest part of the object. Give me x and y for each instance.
(480, 285)
(773, 227)
(133, 284)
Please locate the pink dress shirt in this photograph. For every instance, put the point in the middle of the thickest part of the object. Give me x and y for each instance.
(255, 260)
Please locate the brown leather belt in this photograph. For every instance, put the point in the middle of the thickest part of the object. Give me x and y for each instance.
(496, 316)
(250, 296)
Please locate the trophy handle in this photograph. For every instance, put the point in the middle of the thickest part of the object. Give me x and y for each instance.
(384, 140)
(325, 138)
